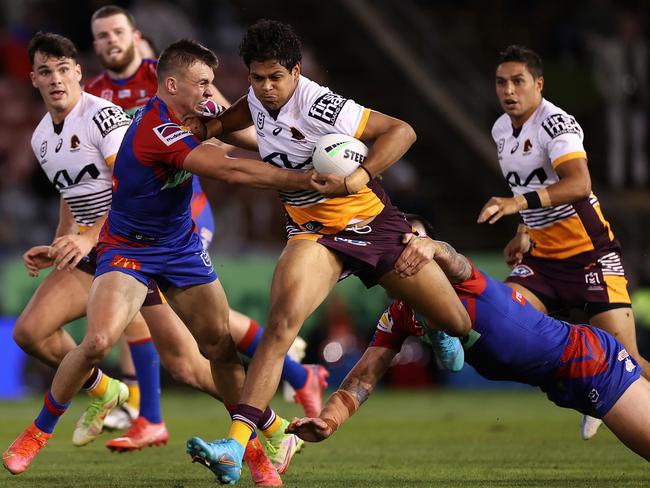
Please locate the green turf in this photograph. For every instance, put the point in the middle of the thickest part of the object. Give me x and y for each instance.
(405, 439)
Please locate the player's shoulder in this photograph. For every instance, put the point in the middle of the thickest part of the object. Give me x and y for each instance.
(102, 114)
(501, 126)
(553, 121)
(40, 132)
(96, 84)
(319, 103)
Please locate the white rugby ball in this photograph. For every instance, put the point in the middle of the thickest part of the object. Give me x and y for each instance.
(338, 154)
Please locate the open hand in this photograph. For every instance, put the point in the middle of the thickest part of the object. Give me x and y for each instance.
(310, 429)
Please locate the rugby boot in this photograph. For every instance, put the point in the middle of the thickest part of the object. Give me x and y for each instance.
(223, 457)
(310, 396)
(20, 454)
(141, 434)
(91, 422)
(263, 473)
(281, 447)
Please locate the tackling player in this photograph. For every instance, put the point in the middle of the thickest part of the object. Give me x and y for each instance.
(347, 225)
(201, 305)
(130, 81)
(577, 366)
(564, 255)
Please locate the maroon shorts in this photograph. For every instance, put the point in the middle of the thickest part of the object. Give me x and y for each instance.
(591, 280)
(154, 296)
(369, 251)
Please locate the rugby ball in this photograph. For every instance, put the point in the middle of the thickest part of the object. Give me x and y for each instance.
(338, 154)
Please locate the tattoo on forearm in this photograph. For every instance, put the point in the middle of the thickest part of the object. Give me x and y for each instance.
(355, 388)
(454, 265)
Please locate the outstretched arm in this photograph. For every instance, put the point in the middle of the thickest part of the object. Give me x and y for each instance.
(354, 390)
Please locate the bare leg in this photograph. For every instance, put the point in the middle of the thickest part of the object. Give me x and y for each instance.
(619, 322)
(629, 418)
(305, 274)
(430, 293)
(114, 300)
(204, 309)
(61, 298)
(179, 352)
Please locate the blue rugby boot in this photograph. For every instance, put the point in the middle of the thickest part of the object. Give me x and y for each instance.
(448, 350)
(223, 457)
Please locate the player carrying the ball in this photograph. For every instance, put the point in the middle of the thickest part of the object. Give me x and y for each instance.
(348, 226)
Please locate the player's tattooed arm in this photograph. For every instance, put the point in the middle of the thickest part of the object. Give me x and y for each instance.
(365, 375)
(455, 266)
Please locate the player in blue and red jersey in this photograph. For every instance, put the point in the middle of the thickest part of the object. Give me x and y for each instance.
(129, 80)
(577, 366)
(149, 234)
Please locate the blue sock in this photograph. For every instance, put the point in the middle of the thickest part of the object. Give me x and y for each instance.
(292, 371)
(50, 413)
(147, 370)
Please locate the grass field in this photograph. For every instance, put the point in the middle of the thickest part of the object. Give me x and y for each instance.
(406, 439)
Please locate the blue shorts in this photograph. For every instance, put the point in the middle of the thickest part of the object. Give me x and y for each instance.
(595, 370)
(185, 264)
(205, 226)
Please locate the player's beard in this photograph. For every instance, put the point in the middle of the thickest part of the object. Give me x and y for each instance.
(119, 65)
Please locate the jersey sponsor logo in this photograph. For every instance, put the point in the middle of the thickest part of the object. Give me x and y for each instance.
(107, 94)
(281, 160)
(514, 179)
(327, 108)
(312, 226)
(593, 395)
(522, 271)
(629, 365)
(623, 354)
(58, 146)
(126, 93)
(169, 133)
(62, 178)
(75, 143)
(126, 263)
(260, 120)
(354, 242)
(592, 278)
(43, 150)
(558, 124)
(110, 118)
(518, 297)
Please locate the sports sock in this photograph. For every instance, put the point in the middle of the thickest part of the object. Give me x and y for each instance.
(244, 422)
(231, 411)
(134, 391)
(147, 369)
(50, 413)
(96, 383)
(292, 371)
(270, 422)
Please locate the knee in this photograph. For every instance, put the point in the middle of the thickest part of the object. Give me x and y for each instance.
(25, 336)
(183, 373)
(96, 347)
(220, 347)
(281, 332)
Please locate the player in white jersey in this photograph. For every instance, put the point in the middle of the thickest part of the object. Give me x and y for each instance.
(349, 225)
(564, 255)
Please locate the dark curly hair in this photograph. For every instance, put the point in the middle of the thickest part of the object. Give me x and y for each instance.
(271, 40)
(522, 54)
(51, 45)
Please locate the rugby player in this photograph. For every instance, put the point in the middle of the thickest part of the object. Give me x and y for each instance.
(130, 81)
(577, 366)
(564, 254)
(348, 225)
(149, 234)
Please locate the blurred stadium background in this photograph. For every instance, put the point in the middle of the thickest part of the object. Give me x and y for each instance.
(428, 62)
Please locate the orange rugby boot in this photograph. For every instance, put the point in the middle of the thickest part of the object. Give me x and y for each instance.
(263, 473)
(20, 454)
(310, 396)
(141, 434)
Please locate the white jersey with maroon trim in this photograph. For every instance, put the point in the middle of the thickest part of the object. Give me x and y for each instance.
(528, 160)
(78, 154)
(286, 139)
